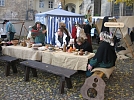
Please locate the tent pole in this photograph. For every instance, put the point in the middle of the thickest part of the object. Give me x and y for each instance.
(115, 32)
(21, 29)
(25, 28)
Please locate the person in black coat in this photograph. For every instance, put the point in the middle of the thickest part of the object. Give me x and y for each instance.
(83, 44)
(87, 29)
(103, 28)
(0, 50)
(105, 56)
(132, 35)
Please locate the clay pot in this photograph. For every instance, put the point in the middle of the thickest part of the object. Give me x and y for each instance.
(24, 44)
(81, 52)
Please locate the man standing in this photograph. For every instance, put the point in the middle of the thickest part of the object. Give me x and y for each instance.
(87, 29)
(10, 30)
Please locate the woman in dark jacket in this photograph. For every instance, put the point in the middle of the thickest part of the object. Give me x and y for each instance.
(105, 56)
(83, 44)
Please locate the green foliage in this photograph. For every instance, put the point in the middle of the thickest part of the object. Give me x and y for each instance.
(128, 2)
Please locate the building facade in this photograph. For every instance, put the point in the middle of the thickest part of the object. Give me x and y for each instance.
(72, 5)
(23, 9)
(69, 5)
(26, 9)
(13, 9)
(105, 8)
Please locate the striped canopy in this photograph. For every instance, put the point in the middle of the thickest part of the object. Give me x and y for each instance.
(52, 19)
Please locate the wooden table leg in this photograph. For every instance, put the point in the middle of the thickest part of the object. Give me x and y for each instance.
(68, 82)
(7, 69)
(27, 71)
(62, 85)
(34, 72)
(14, 67)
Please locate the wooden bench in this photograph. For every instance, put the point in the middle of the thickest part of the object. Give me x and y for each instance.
(63, 72)
(98, 73)
(10, 61)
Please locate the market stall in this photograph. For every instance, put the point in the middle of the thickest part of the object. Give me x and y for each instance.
(123, 33)
(52, 19)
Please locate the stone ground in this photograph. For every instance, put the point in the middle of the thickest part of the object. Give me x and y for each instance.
(120, 86)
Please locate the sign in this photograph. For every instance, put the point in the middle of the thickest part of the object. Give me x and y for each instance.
(113, 24)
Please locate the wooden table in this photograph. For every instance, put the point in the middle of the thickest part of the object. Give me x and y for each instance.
(22, 52)
(66, 60)
(57, 58)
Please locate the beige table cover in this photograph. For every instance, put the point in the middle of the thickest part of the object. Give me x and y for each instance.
(106, 71)
(21, 52)
(57, 58)
(66, 60)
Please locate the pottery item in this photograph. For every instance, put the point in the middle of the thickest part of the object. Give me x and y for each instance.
(75, 53)
(51, 48)
(86, 52)
(76, 50)
(64, 47)
(24, 44)
(56, 49)
(29, 45)
(42, 48)
(61, 48)
(37, 45)
(21, 44)
(81, 52)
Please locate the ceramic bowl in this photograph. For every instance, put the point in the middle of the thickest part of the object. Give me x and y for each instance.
(76, 50)
(51, 48)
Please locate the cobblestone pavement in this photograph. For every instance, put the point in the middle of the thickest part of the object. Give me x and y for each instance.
(120, 86)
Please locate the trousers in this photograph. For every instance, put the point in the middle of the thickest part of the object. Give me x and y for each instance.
(11, 35)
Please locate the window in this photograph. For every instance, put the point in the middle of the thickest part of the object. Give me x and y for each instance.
(50, 4)
(97, 7)
(41, 4)
(2, 2)
(127, 10)
(116, 9)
